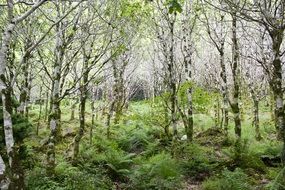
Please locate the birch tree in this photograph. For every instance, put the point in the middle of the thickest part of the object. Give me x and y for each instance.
(217, 31)
(12, 21)
(270, 15)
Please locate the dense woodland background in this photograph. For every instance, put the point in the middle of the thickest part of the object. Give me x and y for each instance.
(142, 94)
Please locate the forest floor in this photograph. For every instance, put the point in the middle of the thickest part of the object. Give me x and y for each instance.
(138, 156)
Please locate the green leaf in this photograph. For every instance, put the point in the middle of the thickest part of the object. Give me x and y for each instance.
(174, 6)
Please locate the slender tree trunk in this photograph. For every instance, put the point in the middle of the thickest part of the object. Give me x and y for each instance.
(28, 98)
(172, 81)
(276, 85)
(272, 111)
(166, 120)
(17, 176)
(81, 124)
(24, 85)
(92, 120)
(73, 110)
(256, 120)
(54, 117)
(255, 101)
(40, 112)
(187, 115)
(109, 116)
(54, 125)
(46, 105)
(5, 91)
(119, 91)
(4, 182)
(83, 97)
(217, 112)
(119, 97)
(236, 73)
(7, 110)
(224, 90)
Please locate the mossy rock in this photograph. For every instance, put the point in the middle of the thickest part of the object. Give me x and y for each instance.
(212, 137)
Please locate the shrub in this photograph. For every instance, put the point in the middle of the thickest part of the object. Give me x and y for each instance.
(158, 172)
(134, 140)
(279, 182)
(196, 162)
(244, 158)
(67, 178)
(110, 157)
(236, 180)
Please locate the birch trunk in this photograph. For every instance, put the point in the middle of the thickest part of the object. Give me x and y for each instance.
(17, 181)
(73, 106)
(187, 115)
(224, 89)
(236, 72)
(4, 182)
(40, 112)
(92, 120)
(172, 81)
(256, 119)
(83, 98)
(54, 117)
(276, 85)
(46, 105)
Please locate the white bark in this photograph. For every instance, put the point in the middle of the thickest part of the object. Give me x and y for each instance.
(2, 166)
(4, 183)
(8, 130)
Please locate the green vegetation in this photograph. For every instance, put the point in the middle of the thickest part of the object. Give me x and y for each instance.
(138, 156)
(142, 95)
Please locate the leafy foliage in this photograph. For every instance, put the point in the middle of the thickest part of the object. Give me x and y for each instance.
(195, 161)
(244, 158)
(236, 180)
(174, 6)
(67, 178)
(158, 172)
(279, 182)
(201, 98)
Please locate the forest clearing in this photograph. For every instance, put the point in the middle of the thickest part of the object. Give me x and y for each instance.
(142, 95)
